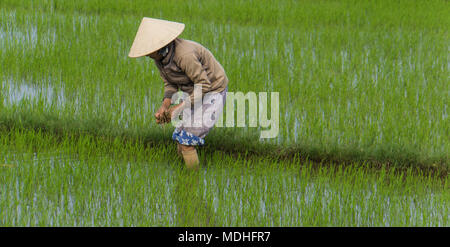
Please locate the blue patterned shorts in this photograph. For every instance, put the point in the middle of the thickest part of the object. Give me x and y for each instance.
(193, 136)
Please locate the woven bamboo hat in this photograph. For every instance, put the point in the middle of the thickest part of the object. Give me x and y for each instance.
(154, 34)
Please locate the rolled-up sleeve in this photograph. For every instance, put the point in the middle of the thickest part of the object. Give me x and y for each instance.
(193, 68)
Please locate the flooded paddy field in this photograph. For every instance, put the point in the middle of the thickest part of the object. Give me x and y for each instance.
(359, 83)
(74, 184)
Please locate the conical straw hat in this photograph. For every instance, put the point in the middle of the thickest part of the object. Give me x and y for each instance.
(154, 34)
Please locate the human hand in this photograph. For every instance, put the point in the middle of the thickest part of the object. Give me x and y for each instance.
(161, 114)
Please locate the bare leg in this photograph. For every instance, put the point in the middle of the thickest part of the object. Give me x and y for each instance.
(190, 157)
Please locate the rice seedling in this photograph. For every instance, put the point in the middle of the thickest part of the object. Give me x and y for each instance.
(68, 185)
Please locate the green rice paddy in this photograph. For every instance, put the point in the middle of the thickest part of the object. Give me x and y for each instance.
(364, 132)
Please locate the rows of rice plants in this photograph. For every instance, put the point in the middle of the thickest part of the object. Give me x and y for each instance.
(84, 181)
(358, 80)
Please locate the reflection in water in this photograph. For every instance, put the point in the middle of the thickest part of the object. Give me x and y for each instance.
(42, 93)
(27, 38)
(14, 93)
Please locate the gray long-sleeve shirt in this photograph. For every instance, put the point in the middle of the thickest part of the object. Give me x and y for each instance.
(189, 63)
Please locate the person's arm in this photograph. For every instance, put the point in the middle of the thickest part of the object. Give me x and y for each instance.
(169, 90)
(163, 108)
(193, 68)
